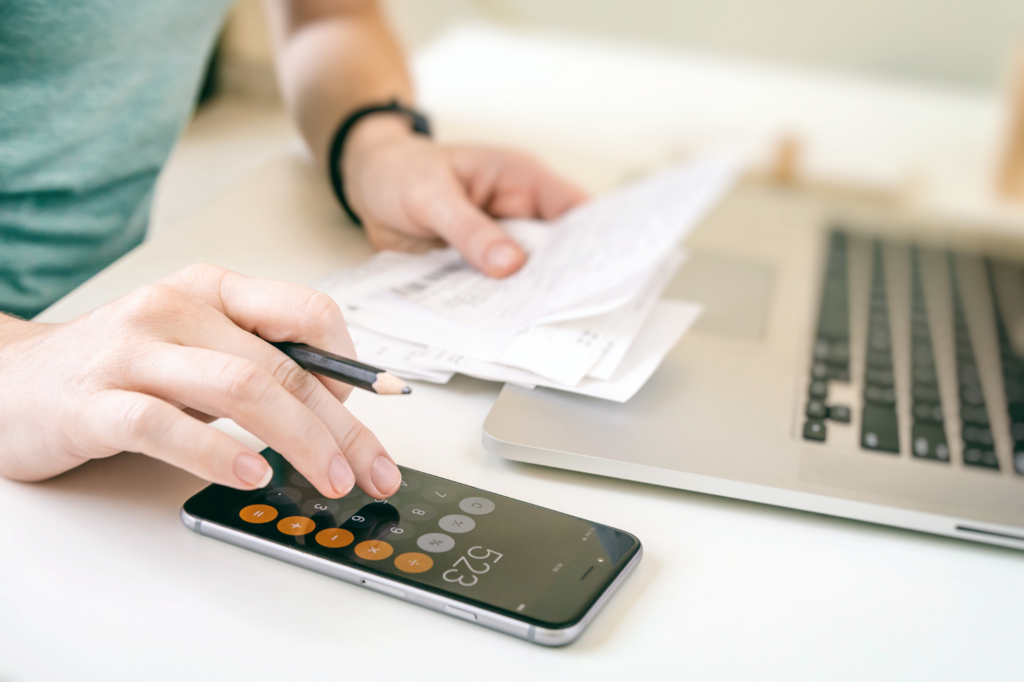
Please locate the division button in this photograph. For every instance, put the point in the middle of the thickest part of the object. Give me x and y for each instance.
(413, 562)
(295, 525)
(258, 513)
(334, 537)
(478, 505)
(457, 523)
(373, 550)
(435, 542)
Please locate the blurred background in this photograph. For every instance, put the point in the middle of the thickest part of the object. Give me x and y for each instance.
(964, 47)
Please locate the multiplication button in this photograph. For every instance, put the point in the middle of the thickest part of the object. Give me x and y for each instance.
(476, 505)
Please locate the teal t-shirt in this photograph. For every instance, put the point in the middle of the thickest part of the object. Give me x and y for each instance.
(93, 96)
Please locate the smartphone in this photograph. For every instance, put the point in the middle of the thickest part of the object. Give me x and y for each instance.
(514, 567)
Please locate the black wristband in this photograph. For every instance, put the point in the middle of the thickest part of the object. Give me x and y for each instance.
(420, 125)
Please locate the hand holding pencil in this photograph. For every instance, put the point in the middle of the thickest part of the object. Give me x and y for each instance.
(147, 372)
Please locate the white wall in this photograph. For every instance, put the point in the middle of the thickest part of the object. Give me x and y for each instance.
(956, 42)
(963, 42)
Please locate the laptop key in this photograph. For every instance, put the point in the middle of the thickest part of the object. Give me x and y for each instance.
(928, 441)
(879, 377)
(880, 395)
(927, 412)
(818, 389)
(816, 409)
(926, 393)
(878, 429)
(839, 413)
(814, 429)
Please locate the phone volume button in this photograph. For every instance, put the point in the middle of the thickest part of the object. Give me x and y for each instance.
(460, 613)
(385, 589)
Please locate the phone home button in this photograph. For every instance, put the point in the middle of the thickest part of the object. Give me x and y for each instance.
(459, 613)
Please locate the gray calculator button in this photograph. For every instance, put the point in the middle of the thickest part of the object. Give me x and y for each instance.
(435, 542)
(283, 496)
(457, 523)
(320, 506)
(476, 505)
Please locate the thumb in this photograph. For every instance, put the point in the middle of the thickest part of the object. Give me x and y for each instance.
(481, 241)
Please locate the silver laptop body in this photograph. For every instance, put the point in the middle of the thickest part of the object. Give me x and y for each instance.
(851, 361)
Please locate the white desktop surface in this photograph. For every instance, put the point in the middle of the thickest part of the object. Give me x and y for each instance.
(100, 580)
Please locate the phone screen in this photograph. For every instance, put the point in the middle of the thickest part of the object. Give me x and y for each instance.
(524, 561)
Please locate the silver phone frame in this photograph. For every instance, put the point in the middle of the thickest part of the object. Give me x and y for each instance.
(446, 605)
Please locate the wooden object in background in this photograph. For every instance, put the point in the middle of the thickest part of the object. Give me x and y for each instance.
(786, 164)
(1011, 176)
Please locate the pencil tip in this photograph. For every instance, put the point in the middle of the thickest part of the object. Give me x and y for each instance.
(388, 384)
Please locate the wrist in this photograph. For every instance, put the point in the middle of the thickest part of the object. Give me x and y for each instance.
(369, 135)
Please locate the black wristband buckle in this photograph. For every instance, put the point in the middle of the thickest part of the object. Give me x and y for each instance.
(420, 125)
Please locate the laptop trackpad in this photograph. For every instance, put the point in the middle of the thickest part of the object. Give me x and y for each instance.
(735, 294)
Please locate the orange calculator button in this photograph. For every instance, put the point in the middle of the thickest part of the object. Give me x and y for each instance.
(373, 550)
(296, 525)
(258, 513)
(334, 537)
(413, 562)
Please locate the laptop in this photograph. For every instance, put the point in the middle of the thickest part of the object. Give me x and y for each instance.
(852, 360)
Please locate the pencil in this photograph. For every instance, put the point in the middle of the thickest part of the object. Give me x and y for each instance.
(343, 369)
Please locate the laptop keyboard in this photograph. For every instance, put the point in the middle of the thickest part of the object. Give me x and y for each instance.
(928, 431)
(832, 345)
(979, 446)
(1013, 377)
(879, 430)
(928, 438)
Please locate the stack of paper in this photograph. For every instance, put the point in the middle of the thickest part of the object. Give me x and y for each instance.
(582, 315)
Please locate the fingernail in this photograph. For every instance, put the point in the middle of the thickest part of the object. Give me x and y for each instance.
(253, 470)
(502, 257)
(385, 475)
(340, 475)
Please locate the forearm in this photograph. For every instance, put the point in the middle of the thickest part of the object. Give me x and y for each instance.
(332, 57)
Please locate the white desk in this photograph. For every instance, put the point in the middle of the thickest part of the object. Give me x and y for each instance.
(99, 579)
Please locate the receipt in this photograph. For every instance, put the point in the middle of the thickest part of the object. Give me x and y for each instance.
(583, 315)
